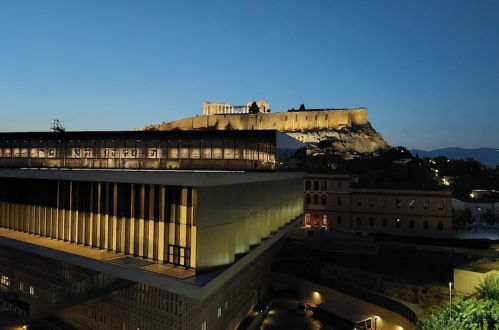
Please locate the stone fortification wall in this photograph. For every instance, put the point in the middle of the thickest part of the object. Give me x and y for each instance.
(282, 121)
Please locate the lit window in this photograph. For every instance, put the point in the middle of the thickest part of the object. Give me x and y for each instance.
(5, 280)
(219, 312)
(324, 221)
(412, 203)
(203, 325)
(21, 286)
(31, 290)
(308, 220)
(226, 304)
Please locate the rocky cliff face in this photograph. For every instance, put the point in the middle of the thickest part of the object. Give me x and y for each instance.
(357, 139)
(346, 131)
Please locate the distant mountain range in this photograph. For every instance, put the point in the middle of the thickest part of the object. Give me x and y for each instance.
(486, 156)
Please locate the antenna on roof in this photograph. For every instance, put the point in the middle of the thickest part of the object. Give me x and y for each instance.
(57, 126)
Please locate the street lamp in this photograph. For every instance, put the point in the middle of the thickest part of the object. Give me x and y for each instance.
(450, 293)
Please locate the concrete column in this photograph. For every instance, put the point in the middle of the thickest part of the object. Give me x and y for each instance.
(141, 221)
(97, 217)
(114, 220)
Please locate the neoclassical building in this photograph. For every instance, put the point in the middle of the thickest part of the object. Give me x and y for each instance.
(332, 202)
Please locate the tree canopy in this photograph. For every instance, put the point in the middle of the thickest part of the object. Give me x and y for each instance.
(477, 312)
(254, 108)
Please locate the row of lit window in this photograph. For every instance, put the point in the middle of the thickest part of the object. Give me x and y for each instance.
(398, 203)
(135, 153)
(219, 315)
(5, 280)
(397, 223)
(384, 202)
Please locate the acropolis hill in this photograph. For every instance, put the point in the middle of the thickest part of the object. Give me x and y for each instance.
(348, 129)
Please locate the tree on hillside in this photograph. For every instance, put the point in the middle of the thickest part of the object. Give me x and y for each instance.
(254, 108)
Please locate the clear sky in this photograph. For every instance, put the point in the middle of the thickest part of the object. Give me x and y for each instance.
(428, 71)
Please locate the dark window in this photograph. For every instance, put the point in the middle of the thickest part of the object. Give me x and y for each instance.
(340, 185)
(338, 201)
(398, 203)
(411, 224)
(316, 185)
(308, 184)
(371, 221)
(324, 185)
(359, 221)
(323, 199)
(426, 225)
(316, 199)
(178, 255)
(412, 203)
(440, 226)
(384, 203)
(307, 199)
(359, 202)
(426, 205)
(398, 222)
(384, 223)
(440, 205)
(371, 202)
(339, 220)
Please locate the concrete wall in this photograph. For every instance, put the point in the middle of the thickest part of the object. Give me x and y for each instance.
(232, 218)
(315, 294)
(282, 121)
(466, 281)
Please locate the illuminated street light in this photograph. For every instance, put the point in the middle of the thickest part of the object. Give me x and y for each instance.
(450, 293)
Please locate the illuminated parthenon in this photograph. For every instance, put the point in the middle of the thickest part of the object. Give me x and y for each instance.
(219, 108)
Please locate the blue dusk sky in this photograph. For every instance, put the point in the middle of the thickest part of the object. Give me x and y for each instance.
(428, 71)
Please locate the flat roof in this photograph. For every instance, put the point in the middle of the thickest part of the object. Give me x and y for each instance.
(193, 178)
(145, 134)
(483, 266)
